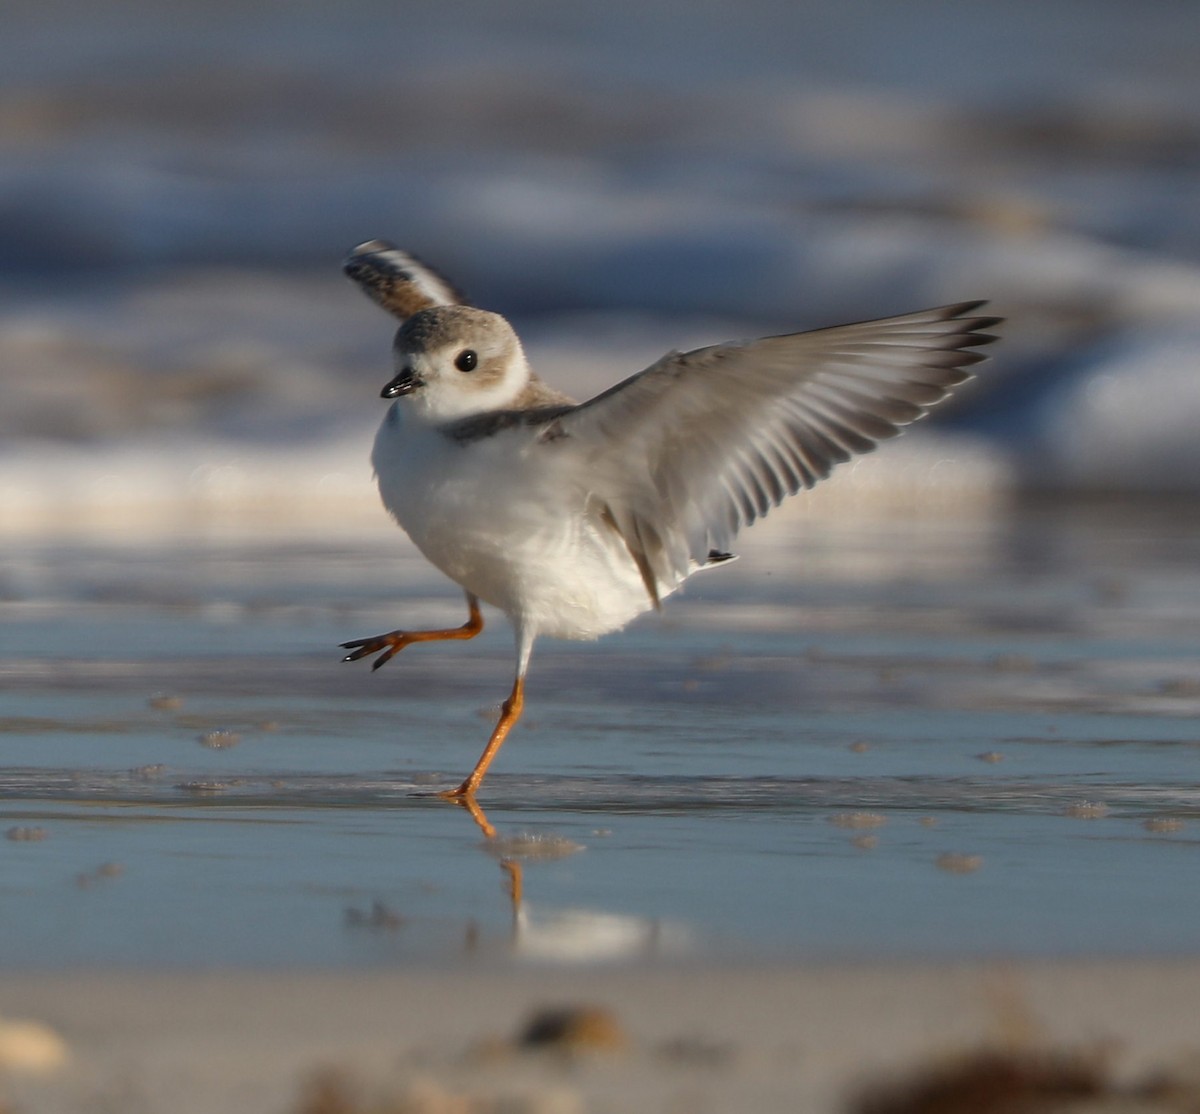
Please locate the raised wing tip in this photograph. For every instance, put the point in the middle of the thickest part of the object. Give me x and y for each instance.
(959, 309)
(963, 312)
(397, 280)
(368, 247)
(970, 328)
(360, 255)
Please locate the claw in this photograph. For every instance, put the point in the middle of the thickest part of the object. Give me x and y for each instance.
(364, 647)
(362, 651)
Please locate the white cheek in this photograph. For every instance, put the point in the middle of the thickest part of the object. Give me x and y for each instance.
(455, 395)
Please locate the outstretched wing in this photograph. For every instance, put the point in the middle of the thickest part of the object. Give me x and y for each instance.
(681, 456)
(397, 281)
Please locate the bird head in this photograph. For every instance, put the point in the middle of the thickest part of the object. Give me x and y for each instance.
(454, 362)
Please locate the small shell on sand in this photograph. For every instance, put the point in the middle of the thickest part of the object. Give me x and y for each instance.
(573, 1029)
(30, 1048)
(1087, 810)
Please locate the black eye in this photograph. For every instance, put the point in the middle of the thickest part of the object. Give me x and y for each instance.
(466, 360)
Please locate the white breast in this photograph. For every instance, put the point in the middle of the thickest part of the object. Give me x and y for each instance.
(499, 518)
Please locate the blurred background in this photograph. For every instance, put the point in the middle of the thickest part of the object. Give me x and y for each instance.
(179, 182)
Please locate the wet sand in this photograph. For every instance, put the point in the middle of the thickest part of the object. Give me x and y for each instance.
(768, 1039)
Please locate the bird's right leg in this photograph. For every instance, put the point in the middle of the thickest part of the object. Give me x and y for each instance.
(391, 644)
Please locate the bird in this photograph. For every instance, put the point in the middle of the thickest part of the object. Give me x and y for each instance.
(573, 518)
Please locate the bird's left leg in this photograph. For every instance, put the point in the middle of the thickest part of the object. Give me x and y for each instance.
(510, 712)
(391, 644)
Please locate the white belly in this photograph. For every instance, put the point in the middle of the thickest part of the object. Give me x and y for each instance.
(495, 517)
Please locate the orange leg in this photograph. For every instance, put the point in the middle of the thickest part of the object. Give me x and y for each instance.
(392, 644)
(509, 714)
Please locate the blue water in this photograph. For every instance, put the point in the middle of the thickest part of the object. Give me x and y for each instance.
(679, 790)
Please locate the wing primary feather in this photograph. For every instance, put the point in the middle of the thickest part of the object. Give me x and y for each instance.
(884, 408)
(811, 457)
(791, 470)
(840, 429)
(753, 469)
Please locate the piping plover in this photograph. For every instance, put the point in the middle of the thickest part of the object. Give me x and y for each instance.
(574, 518)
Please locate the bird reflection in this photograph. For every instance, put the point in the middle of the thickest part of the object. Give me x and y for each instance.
(564, 935)
(478, 815)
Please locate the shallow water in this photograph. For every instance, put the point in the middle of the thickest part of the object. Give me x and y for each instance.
(777, 766)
